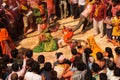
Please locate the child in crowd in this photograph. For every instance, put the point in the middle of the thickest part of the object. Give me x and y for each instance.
(109, 27)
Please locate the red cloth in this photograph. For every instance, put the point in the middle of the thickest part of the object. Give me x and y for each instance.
(101, 12)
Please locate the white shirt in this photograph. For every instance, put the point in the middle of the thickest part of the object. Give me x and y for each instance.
(32, 76)
(81, 2)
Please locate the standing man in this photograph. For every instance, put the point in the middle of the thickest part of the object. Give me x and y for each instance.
(98, 15)
(63, 8)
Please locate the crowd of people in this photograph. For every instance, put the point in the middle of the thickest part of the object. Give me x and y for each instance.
(88, 61)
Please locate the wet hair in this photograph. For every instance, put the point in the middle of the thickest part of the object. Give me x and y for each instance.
(95, 67)
(117, 72)
(81, 66)
(53, 75)
(74, 51)
(15, 67)
(103, 76)
(99, 56)
(14, 53)
(117, 50)
(35, 67)
(29, 53)
(14, 76)
(109, 50)
(41, 59)
(47, 66)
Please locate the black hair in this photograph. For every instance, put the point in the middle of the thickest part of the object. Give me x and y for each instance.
(35, 67)
(14, 76)
(99, 56)
(29, 53)
(14, 53)
(6, 58)
(74, 51)
(81, 66)
(111, 65)
(117, 50)
(118, 13)
(15, 67)
(95, 67)
(117, 72)
(47, 66)
(58, 54)
(103, 76)
(41, 59)
(30, 62)
(53, 75)
(109, 50)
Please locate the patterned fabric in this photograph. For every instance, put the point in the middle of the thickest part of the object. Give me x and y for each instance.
(47, 43)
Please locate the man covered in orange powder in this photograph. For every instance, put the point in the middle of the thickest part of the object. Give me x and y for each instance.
(6, 42)
(67, 37)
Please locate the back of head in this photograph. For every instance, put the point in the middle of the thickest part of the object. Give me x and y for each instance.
(15, 67)
(117, 72)
(109, 51)
(118, 13)
(53, 75)
(47, 66)
(14, 53)
(41, 59)
(95, 67)
(99, 56)
(81, 66)
(29, 54)
(117, 50)
(14, 76)
(111, 65)
(74, 51)
(35, 67)
(103, 76)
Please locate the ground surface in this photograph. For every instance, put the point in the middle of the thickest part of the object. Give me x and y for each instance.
(32, 40)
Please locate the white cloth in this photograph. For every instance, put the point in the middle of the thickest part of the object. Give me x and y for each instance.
(81, 2)
(32, 76)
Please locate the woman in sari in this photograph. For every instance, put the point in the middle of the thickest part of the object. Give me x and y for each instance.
(6, 42)
(46, 41)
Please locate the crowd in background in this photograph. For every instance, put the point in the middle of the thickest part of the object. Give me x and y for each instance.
(17, 16)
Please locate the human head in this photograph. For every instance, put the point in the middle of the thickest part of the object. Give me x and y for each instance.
(118, 14)
(60, 57)
(117, 72)
(111, 65)
(95, 67)
(14, 76)
(47, 66)
(88, 51)
(53, 75)
(41, 59)
(74, 51)
(81, 66)
(103, 76)
(14, 53)
(117, 50)
(29, 63)
(99, 56)
(109, 51)
(15, 67)
(35, 67)
(29, 54)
